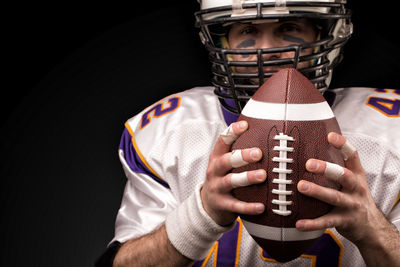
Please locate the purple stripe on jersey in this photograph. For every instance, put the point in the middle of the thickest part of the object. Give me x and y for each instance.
(227, 248)
(229, 116)
(133, 159)
(326, 251)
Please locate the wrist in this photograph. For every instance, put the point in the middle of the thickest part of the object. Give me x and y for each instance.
(378, 235)
(378, 238)
(220, 217)
(191, 230)
(382, 249)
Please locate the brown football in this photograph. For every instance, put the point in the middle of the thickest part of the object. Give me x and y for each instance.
(289, 120)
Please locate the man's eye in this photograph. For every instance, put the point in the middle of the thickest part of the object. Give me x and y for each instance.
(289, 27)
(248, 30)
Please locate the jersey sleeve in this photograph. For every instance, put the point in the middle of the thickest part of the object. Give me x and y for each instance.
(164, 153)
(147, 198)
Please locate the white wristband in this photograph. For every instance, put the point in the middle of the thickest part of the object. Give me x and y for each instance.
(191, 230)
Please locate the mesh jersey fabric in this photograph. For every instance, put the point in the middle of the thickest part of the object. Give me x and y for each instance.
(174, 137)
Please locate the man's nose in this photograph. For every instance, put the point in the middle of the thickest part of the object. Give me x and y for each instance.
(267, 43)
(270, 55)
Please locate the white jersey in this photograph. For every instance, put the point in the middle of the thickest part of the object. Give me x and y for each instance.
(164, 151)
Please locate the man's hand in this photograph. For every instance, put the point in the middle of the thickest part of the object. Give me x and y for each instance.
(355, 214)
(216, 191)
(354, 206)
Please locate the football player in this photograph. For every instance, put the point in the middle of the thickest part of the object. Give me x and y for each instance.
(177, 208)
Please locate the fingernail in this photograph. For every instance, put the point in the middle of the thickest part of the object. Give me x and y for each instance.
(334, 136)
(260, 175)
(242, 124)
(255, 153)
(303, 186)
(312, 165)
(259, 208)
(300, 224)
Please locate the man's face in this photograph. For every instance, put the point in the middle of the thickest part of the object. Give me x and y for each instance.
(269, 35)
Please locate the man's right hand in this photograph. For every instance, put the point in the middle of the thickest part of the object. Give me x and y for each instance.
(216, 195)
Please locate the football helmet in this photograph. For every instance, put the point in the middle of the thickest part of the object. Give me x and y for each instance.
(330, 17)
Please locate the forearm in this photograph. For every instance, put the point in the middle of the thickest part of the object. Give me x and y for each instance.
(153, 249)
(383, 249)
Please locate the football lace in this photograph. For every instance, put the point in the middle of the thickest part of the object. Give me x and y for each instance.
(282, 181)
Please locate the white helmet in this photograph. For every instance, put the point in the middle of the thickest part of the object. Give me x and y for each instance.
(232, 87)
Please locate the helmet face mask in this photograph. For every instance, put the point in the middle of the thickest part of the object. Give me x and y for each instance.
(236, 80)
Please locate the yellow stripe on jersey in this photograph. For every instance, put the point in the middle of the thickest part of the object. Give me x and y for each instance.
(139, 153)
(238, 241)
(213, 251)
(397, 200)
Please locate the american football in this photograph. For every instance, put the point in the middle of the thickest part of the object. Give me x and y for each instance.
(289, 120)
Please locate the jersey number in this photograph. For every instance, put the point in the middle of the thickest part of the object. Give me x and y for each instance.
(388, 106)
(160, 110)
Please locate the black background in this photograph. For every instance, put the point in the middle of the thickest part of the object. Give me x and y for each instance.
(74, 75)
